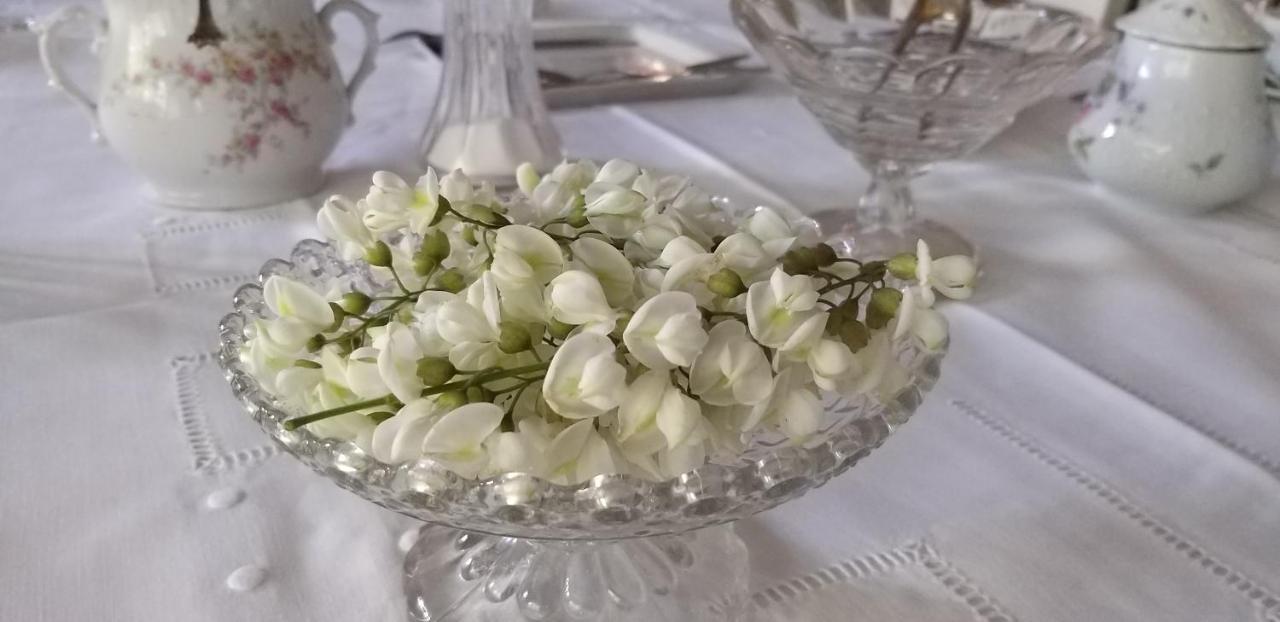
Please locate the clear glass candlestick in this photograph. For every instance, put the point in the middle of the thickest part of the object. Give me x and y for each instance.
(903, 93)
(490, 116)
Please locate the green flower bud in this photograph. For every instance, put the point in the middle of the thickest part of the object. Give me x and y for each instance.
(435, 245)
(379, 321)
(872, 271)
(513, 338)
(304, 363)
(378, 255)
(450, 400)
(469, 235)
(577, 217)
(903, 266)
(824, 255)
(726, 283)
(434, 371)
(315, 343)
(854, 334)
(799, 261)
(558, 329)
(380, 416)
(355, 303)
(422, 266)
(479, 394)
(452, 281)
(442, 207)
(339, 315)
(882, 307)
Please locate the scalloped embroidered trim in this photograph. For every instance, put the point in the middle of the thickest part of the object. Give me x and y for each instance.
(185, 226)
(1266, 601)
(984, 607)
(208, 456)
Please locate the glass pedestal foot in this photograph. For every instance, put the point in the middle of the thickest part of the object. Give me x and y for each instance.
(453, 575)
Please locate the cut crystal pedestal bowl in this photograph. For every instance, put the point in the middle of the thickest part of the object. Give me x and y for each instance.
(617, 547)
(902, 86)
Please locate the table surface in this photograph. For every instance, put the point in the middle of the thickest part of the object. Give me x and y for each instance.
(1104, 443)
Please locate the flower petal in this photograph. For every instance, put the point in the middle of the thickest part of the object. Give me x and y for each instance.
(463, 428)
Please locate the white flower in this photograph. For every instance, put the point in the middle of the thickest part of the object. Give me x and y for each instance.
(617, 276)
(952, 276)
(654, 404)
(552, 200)
(732, 369)
(398, 355)
(525, 450)
(681, 460)
(400, 438)
(470, 326)
(392, 203)
(525, 256)
(290, 299)
(772, 230)
(426, 312)
(915, 317)
(614, 210)
(802, 340)
(793, 405)
(834, 366)
(618, 173)
(457, 187)
(362, 374)
(777, 307)
(266, 358)
(339, 220)
(577, 298)
(457, 438)
(666, 331)
(584, 380)
(574, 175)
(654, 234)
(527, 178)
(579, 453)
(679, 249)
(743, 253)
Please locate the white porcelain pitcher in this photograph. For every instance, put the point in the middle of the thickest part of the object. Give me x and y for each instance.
(239, 112)
(1182, 121)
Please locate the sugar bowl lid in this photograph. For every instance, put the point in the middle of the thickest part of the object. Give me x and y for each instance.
(1204, 24)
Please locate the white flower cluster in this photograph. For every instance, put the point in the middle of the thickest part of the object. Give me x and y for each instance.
(601, 320)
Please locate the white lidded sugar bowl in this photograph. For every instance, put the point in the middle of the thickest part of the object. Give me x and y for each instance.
(217, 103)
(1181, 121)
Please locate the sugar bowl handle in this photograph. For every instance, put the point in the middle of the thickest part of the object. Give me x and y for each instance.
(50, 32)
(369, 20)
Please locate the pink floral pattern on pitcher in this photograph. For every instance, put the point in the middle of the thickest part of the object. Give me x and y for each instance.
(251, 70)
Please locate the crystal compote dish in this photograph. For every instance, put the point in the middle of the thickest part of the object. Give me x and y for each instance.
(903, 86)
(615, 547)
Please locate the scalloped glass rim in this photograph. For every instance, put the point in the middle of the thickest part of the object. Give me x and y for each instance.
(607, 507)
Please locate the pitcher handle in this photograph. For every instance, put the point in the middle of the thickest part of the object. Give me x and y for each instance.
(50, 30)
(369, 20)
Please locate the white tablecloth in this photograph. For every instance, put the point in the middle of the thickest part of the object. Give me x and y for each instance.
(1104, 444)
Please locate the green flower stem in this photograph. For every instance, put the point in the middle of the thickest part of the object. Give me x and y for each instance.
(468, 219)
(483, 377)
(386, 400)
(298, 422)
(395, 275)
(838, 284)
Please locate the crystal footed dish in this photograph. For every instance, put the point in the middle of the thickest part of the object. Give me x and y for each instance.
(615, 547)
(902, 85)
